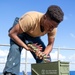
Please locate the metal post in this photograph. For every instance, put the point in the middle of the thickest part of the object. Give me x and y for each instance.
(58, 53)
(26, 62)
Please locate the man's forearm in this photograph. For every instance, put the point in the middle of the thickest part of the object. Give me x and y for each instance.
(18, 41)
(48, 49)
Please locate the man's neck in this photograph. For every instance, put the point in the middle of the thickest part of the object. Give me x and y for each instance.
(41, 28)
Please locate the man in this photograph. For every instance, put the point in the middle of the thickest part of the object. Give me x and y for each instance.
(28, 29)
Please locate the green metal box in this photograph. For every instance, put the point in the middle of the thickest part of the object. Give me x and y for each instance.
(52, 68)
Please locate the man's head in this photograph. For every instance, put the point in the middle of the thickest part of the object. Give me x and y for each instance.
(53, 16)
(55, 13)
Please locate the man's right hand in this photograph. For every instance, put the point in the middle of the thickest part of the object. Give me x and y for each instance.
(34, 47)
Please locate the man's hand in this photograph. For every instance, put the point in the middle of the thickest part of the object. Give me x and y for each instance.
(43, 56)
(35, 47)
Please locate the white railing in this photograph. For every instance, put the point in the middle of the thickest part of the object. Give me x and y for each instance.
(57, 48)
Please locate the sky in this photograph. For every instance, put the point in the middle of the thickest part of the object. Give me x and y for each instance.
(65, 37)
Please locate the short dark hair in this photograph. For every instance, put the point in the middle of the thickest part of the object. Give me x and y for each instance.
(55, 13)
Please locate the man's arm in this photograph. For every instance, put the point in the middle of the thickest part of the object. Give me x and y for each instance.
(51, 38)
(13, 35)
(49, 47)
(47, 50)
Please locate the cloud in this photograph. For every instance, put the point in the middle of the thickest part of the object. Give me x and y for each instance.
(4, 53)
(72, 58)
(72, 35)
(54, 56)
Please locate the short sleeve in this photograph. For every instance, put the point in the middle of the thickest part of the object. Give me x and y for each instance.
(26, 23)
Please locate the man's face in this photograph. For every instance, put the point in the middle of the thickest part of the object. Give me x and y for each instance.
(49, 24)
